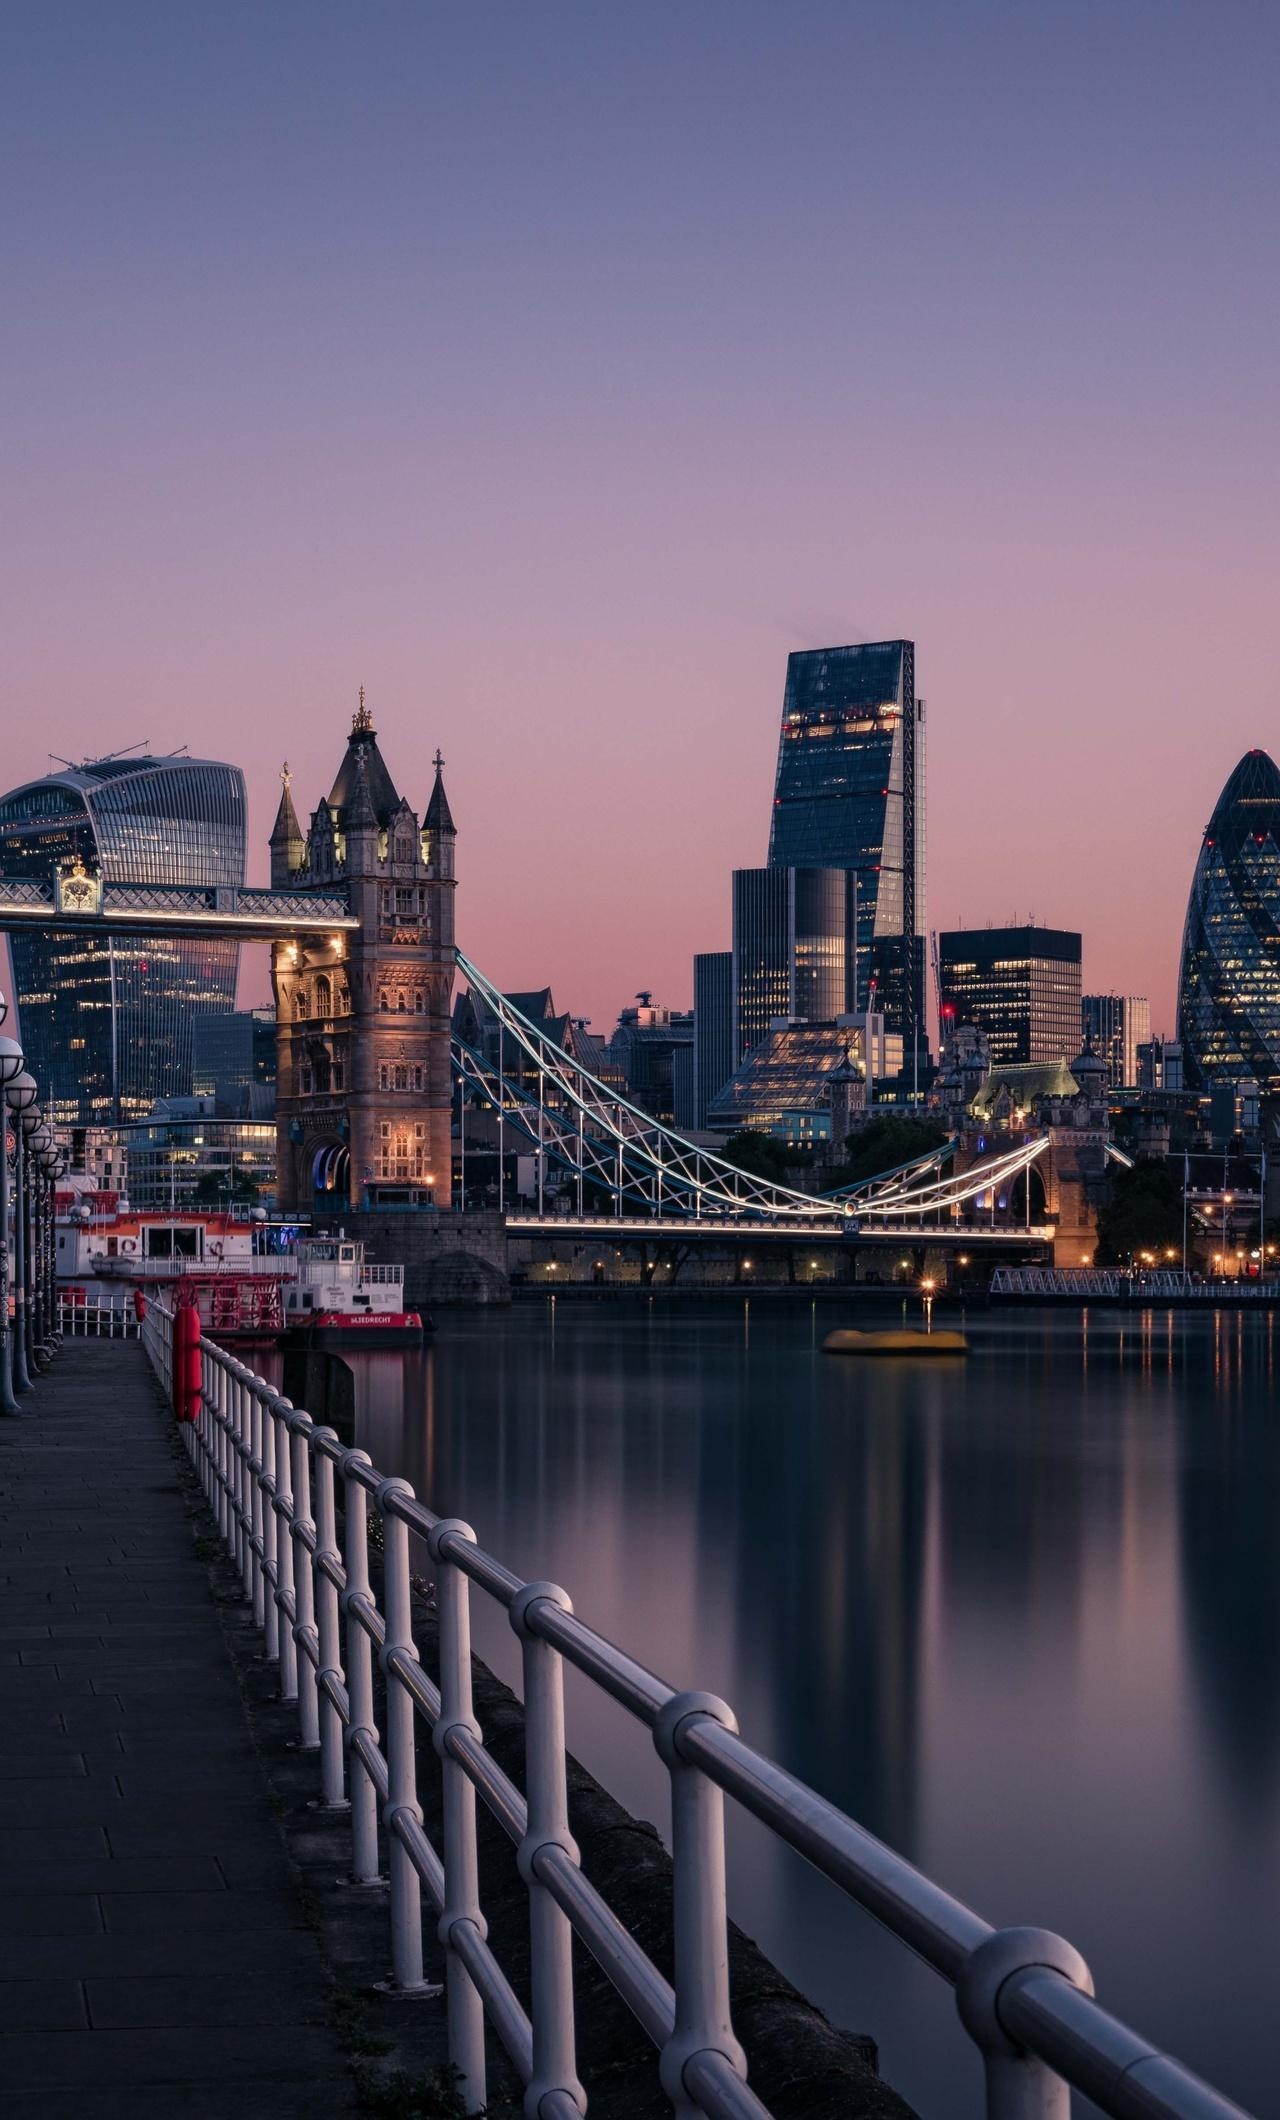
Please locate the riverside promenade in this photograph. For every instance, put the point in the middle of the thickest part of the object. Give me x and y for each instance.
(155, 1958)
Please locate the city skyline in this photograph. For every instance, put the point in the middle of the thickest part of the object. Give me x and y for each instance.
(562, 446)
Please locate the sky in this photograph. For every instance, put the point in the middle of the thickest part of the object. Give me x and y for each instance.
(553, 372)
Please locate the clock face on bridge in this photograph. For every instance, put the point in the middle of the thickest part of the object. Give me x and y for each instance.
(77, 890)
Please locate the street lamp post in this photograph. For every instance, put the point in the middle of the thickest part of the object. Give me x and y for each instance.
(10, 1068)
(40, 1149)
(21, 1095)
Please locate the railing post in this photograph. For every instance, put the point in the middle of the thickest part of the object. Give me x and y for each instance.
(703, 2021)
(461, 1861)
(402, 1765)
(546, 1789)
(364, 1796)
(304, 1603)
(270, 1542)
(244, 1474)
(283, 1506)
(254, 1402)
(328, 1637)
(1019, 2085)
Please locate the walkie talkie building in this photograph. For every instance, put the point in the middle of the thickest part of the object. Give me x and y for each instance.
(1229, 984)
(850, 795)
(108, 1028)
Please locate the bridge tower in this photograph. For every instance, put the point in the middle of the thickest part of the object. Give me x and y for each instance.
(364, 1091)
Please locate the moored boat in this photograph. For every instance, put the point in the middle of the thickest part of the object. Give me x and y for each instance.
(340, 1299)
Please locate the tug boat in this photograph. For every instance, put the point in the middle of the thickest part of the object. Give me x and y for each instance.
(339, 1299)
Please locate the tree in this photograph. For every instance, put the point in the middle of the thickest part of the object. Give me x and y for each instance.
(884, 1143)
(218, 1188)
(1144, 1213)
(763, 1156)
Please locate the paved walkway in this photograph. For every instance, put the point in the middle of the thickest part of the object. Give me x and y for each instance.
(154, 1957)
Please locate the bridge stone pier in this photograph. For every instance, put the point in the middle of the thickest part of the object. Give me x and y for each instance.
(364, 1089)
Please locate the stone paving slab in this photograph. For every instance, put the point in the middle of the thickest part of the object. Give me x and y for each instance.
(155, 1957)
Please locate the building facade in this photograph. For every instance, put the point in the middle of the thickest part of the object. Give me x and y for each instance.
(110, 1026)
(234, 1051)
(713, 1037)
(1020, 986)
(364, 1089)
(793, 949)
(1229, 979)
(1116, 1025)
(850, 794)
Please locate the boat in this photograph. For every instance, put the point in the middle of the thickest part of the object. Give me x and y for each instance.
(905, 1341)
(232, 1264)
(340, 1299)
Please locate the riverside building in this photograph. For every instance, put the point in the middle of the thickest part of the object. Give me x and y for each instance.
(109, 1026)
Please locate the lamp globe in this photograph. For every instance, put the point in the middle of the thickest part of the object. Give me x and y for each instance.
(21, 1091)
(10, 1060)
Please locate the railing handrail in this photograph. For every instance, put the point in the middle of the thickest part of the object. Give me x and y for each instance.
(1024, 1995)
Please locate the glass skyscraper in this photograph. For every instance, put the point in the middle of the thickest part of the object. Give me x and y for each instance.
(850, 795)
(792, 949)
(108, 1027)
(1229, 985)
(1020, 986)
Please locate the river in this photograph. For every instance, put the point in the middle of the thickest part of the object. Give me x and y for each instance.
(1019, 1615)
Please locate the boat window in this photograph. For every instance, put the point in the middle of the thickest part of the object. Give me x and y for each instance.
(159, 1243)
(186, 1243)
(348, 1251)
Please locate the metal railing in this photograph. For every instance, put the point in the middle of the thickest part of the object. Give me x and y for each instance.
(1149, 1285)
(104, 1321)
(271, 1477)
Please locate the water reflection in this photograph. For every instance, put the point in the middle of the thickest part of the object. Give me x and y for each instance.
(1020, 1615)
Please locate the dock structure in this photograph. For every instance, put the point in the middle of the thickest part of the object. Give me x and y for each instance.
(155, 1956)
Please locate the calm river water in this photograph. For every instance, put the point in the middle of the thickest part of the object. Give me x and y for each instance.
(1020, 1615)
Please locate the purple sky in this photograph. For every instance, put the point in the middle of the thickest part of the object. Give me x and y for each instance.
(554, 371)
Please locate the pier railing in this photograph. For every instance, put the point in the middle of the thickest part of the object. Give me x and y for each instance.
(271, 1477)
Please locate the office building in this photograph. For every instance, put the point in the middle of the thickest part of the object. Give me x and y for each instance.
(850, 794)
(643, 1048)
(1229, 983)
(1117, 1024)
(784, 1085)
(1020, 986)
(793, 949)
(1160, 1066)
(110, 1027)
(714, 1051)
(233, 1051)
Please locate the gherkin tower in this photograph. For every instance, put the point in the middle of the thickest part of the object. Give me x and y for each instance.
(1229, 984)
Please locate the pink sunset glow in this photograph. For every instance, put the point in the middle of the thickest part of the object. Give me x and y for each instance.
(555, 387)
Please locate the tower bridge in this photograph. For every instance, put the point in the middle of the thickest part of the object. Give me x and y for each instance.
(376, 1088)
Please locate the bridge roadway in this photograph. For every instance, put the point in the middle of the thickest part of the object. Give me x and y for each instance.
(732, 1229)
(155, 1955)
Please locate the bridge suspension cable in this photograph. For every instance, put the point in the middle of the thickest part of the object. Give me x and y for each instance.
(607, 1141)
(584, 1127)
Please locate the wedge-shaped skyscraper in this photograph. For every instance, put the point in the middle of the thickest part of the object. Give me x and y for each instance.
(850, 795)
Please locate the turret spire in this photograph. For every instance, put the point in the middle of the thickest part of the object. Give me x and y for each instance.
(287, 848)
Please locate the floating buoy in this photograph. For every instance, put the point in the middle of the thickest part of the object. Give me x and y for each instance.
(847, 1341)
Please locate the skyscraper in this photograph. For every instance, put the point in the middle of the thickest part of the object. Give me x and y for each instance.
(850, 795)
(108, 1028)
(792, 948)
(1229, 983)
(1020, 986)
(714, 1056)
(1118, 1024)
